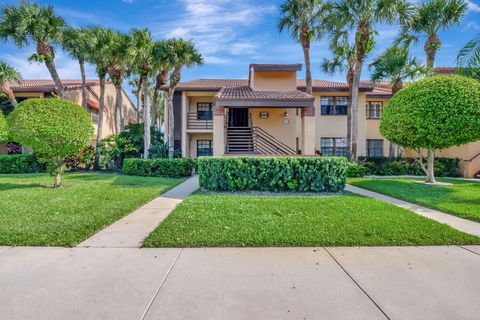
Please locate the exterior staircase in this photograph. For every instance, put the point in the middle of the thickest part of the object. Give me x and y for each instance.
(254, 140)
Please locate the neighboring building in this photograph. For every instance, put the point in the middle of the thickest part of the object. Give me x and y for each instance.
(45, 88)
(271, 114)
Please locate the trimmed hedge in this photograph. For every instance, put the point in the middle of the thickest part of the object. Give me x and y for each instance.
(171, 168)
(301, 174)
(383, 166)
(19, 163)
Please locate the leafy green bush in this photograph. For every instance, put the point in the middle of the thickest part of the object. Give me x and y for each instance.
(54, 128)
(81, 160)
(303, 174)
(19, 163)
(3, 128)
(383, 166)
(172, 168)
(356, 170)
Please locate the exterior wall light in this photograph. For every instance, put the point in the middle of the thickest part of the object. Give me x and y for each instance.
(286, 113)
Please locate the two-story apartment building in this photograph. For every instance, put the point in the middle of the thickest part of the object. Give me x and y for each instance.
(269, 113)
(27, 89)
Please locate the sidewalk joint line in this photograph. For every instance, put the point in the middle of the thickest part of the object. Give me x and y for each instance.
(356, 283)
(478, 254)
(161, 285)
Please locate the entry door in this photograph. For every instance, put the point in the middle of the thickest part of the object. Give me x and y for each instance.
(238, 117)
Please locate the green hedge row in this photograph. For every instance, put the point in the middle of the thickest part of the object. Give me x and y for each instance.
(19, 163)
(302, 174)
(172, 168)
(383, 166)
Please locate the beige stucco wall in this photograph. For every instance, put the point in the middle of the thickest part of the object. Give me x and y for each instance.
(373, 127)
(274, 81)
(275, 124)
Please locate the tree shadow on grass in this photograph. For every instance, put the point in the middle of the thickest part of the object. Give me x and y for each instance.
(13, 186)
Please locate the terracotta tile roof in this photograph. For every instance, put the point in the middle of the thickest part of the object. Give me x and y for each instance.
(48, 85)
(217, 84)
(276, 67)
(445, 70)
(245, 96)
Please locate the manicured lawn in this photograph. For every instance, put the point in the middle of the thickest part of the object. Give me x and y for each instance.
(32, 213)
(205, 220)
(461, 199)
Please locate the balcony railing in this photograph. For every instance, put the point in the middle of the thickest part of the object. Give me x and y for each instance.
(200, 120)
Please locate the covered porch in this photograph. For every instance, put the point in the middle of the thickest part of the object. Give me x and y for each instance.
(251, 122)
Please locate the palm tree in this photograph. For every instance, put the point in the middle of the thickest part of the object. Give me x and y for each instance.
(8, 76)
(343, 60)
(303, 18)
(76, 43)
(360, 17)
(426, 20)
(136, 83)
(396, 66)
(468, 59)
(118, 65)
(140, 55)
(29, 22)
(99, 46)
(172, 56)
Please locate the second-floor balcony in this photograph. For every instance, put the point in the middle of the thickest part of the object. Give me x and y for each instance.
(202, 120)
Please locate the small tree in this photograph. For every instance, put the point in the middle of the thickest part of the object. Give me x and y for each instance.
(433, 113)
(3, 127)
(54, 128)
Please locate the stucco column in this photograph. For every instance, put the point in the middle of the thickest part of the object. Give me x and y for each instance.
(184, 124)
(308, 131)
(218, 131)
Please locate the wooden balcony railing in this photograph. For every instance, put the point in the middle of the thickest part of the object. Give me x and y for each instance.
(200, 120)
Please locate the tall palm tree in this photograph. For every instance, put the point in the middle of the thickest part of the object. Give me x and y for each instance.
(172, 56)
(343, 60)
(99, 46)
(426, 20)
(26, 23)
(76, 43)
(8, 76)
(468, 59)
(140, 55)
(360, 18)
(303, 18)
(396, 66)
(117, 69)
(136, 83)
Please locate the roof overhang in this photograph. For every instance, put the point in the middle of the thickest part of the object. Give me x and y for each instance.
(276, 67)
(250, 103)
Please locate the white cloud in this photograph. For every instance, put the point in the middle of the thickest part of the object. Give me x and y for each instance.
(216, 60)
(472, 6)
(180, 32)
(471, 25)
(244, 48)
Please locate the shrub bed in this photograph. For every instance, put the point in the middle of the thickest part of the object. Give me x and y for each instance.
(171, 168)
(19, 163)
(383, 166)
(302, 174)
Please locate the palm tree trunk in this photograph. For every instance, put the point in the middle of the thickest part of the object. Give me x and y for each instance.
(139, 99)
(146, 118)
(46, 50)
(100, 119)
(84, 84)
(154, 104)
(308, 71)
(171, 123)
(9, 94)
(349, 113)
(431, 46)
(119, 108)
(396, 86)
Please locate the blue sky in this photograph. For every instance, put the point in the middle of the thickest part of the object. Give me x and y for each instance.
(230, 34)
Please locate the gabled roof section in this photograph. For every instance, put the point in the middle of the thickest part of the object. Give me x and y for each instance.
(49, 85)
(245, 96)
(276, 67)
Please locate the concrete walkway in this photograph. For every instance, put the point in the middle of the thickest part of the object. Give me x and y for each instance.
(230, 283)
(464, 225)
(131, 230)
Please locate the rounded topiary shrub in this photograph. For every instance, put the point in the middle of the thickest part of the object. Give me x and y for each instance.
(54, 128)
(433, 113)
(3, 127)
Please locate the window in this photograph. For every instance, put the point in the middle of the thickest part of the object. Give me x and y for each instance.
(333, 147)
(374, 148)
(334, 105)
(94, 116)
(204, 111)
(374, 110)
(204, 148)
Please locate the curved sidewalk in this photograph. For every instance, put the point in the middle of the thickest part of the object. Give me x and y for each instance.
(458, 223)
(131, 230)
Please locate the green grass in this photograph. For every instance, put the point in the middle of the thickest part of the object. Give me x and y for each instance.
(206, 220)
(33, 213)
(461, 199)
